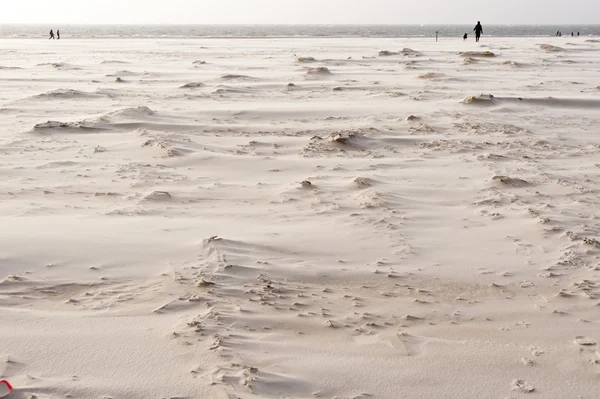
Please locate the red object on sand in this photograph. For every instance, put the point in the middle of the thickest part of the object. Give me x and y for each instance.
(5, 388)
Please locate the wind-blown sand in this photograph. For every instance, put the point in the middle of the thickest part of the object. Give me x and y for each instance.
(300, 218)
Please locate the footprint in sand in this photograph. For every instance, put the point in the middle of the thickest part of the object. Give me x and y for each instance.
(522, 386)
(588, 349)
(585, 341)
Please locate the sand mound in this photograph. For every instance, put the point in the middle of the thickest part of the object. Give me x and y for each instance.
(345, 138)
(158, 196)
(509, 181)
(550, 48)
(5, 68)
(318, 71)
(405, 51)
(342, 142)
(52, 125)
(592, 41)
(105, 122)
(511, 63)
(408, 52)
(199, 63)
(131, 113)
(470, 60)
(224, 89)
(477, 54)
(165, 146)
(122, 73)
(238, 77)
(192, 85)
(108, 62)
(55, 125)
(480, 99)
(363, 182)
(61, 65)
(306, 59)
(66, 93)
(430, 75)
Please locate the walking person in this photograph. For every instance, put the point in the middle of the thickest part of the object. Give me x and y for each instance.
(478, 31)
(58, 34)
(51, 35)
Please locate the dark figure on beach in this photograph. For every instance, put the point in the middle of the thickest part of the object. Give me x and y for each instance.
(577, 33)
(478, 31)
(557, 33)
(51, 34)
(465, 36)
(572, 34)
(57, 34)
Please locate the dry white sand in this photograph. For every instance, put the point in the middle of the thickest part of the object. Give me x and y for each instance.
(300, 218)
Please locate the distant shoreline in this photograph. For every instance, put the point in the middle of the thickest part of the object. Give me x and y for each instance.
(285, 31)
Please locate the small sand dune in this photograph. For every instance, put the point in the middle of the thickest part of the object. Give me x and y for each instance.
(306, 59)
(120, 74)
(165, 146)
(510, 181)
(550, 48)
(113, 62)
(232, 77)
(105, 122)
(363, 182)
(66, 126)
(345, 141)
(477, 54)
(405, 51)
(67, 94)
(62, 66)
(224, 89)
(192, 85)
(319, 71)
(485, 99)
(409, 52)
(430, 75)
(511, 63)
(133, 112)
(158, 196)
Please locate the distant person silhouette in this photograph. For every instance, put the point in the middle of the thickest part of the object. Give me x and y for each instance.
(465, 37)
(51, 35)
(572, 34)
(57, 34)
(557, 33)
(577, 33)
(478, 31)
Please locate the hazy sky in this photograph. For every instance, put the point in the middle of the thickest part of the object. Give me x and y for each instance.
(300, 11)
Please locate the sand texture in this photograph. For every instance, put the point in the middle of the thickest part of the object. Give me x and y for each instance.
(300, 218)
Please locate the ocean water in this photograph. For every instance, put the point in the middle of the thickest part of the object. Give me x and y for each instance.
(282, 31)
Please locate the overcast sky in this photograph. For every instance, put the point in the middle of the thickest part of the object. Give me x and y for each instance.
(300, 11)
